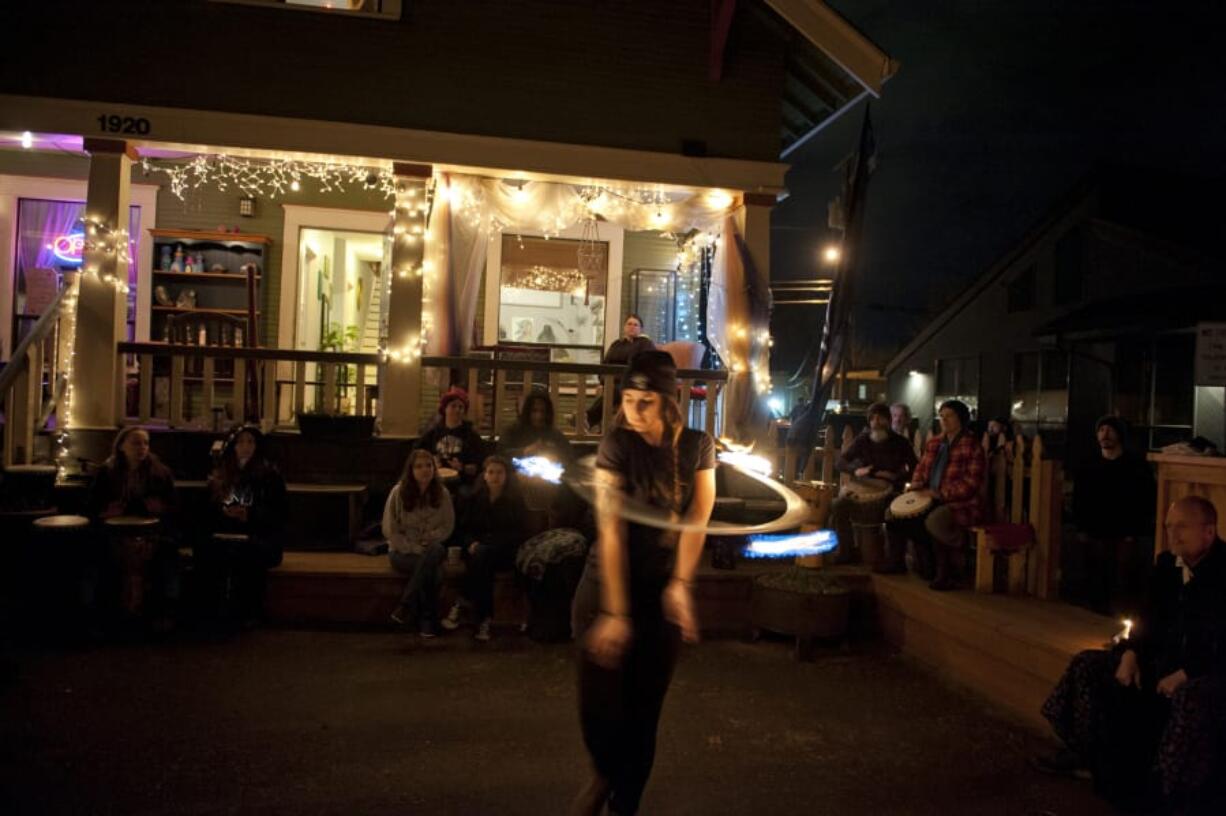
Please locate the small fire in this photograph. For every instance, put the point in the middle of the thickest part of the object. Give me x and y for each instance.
(741, 456)
(1127, 629)
(788, 545)
(539, 467)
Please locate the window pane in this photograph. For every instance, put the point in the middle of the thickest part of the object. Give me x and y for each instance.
(1173, 384)
(1024, 403)
(1132, 377)
(544, 298)
(1053, 387)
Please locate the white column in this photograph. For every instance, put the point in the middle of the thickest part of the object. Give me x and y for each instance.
(102, 304)
(400, 381)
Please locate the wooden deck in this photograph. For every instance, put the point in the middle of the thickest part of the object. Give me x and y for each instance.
(1010, 649)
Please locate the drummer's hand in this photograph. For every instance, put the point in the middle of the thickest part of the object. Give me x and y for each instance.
(113, 509)
(885, 474)
(867, 470)
(608, 638)
(236, 511)
(679, 609)
(472, 548)
(155, 506)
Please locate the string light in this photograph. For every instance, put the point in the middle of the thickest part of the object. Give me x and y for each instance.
(268, 177)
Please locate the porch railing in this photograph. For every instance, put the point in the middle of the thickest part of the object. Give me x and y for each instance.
(210, 386)
(35, 379)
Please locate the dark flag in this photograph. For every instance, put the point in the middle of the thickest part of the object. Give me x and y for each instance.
(829, 357)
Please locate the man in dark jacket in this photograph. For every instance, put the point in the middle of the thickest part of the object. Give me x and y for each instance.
(1113, 506)
(876, 453)
(1158, 699)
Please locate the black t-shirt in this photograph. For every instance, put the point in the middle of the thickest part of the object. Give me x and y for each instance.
(649, 475)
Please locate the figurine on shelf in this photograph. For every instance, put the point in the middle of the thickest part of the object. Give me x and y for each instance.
(200, 262)
(217, 269)
(189, 264)
(186, 299)
(164, 263)
(177, 264)
(162, 296)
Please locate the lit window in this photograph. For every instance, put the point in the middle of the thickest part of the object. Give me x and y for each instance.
(387, 9)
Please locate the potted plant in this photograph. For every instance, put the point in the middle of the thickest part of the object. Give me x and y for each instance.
(801, 602)
(324, 423)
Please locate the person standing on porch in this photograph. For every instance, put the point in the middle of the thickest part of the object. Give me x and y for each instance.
(1147, 717)
(1114, 497)
(620, 351)
(951, 473)
(417, 520)
(634, 604)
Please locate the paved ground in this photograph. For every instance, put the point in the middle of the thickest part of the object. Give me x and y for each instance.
(306, 722)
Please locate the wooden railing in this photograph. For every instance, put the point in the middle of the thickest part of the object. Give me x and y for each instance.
(212, 386)
(35, 379)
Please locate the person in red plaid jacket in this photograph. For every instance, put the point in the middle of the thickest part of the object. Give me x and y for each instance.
(952, 471)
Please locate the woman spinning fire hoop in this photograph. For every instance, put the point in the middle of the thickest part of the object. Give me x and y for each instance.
(634, 604)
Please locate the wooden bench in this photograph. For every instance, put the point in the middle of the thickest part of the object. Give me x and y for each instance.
(1010, 649)
(303, 527)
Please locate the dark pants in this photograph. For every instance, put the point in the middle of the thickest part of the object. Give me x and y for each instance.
(484, 564)
(1111, 571)
(420, 596)
(930, 549)
(1122, 732)
(232, 576)
(619, 709)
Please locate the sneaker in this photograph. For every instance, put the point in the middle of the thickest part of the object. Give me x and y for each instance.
(483, 631)
(452, 621)
(400, 615)
(1061, 763)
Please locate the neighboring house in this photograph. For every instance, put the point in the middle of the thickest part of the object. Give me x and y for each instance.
(1092, 312)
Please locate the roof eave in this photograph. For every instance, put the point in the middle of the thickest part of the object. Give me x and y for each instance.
(839, 40)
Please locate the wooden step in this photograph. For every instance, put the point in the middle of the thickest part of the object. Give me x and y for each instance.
(1010, 649)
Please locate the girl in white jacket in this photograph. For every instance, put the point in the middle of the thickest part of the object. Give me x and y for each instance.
(417, 519)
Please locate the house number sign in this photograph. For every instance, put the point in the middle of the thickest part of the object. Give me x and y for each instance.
(114, 123)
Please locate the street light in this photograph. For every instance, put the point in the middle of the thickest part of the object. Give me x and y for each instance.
(831, 254)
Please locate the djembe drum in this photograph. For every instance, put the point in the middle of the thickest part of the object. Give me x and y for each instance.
(133, 540)
(911, 505)
(869, 499)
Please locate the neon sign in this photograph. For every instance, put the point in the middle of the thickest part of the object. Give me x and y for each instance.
(68, 248)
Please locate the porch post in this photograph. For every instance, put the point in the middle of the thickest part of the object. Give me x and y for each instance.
(753, 222)
(400, 383)
(102, 303)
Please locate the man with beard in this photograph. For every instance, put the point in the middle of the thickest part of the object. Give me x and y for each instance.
(877, 453)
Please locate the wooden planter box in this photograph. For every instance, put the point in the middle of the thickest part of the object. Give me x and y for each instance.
(803, 615)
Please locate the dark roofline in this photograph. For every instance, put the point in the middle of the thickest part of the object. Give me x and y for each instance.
(1077, 194)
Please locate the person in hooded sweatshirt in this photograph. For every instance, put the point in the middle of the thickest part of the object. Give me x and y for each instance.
(452, 439)
(246, 497)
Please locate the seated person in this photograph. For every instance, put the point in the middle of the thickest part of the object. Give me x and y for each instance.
(534, 434)
(1147, 718)
(247, 497)
(951, 472)
(876, 453)
(417, 519)
(452, 440)
(489, 533)
(134, 482)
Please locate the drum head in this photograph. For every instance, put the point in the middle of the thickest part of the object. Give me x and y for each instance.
(131, 521)
(61, 522)
(230, 537)
(446, 473)
(910, 504)
(867, 489)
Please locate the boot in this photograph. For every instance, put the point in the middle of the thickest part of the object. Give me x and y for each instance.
(945, 570)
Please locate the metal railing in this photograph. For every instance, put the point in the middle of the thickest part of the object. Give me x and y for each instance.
(35, 379)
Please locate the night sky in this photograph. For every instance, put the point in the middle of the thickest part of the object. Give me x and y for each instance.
(999, 108)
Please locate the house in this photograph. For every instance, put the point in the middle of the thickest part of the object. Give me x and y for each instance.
(411, 185)
(1092, 312)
